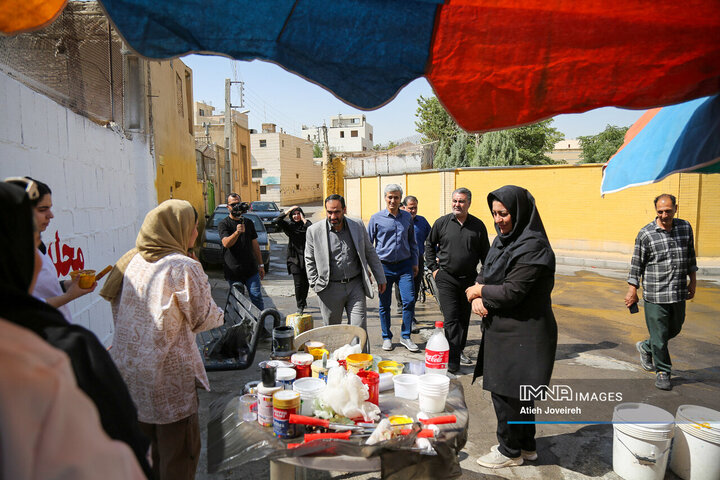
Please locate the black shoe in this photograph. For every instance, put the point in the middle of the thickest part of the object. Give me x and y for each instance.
(465, 360)
(453, 367)
(662, 381)
(646, 360)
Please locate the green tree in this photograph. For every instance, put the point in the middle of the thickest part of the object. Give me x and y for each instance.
(457, 157)
(535, 141)
(496, 149)
(599, 148)
(441, 158)
(317, 150)
(434, 122)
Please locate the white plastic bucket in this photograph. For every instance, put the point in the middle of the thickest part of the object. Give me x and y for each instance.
(308, 388)
(406, 386)
(641, 441)
(696, 448)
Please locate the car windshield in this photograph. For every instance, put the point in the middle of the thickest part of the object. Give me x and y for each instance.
(264, 207)
(220, 215)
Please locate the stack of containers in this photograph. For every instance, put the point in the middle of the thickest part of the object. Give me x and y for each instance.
(433, 389)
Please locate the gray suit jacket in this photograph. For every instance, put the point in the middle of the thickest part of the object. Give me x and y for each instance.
(317, 255)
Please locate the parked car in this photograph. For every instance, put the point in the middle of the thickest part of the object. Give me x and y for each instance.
(267, 211)
(211, 248)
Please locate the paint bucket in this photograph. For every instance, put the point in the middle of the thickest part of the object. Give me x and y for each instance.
(318, 371)
(318, 353)
(265, 404)
(283, 341)
(358, 361)
(285, 377)
(372, 380)
(641, 441)
(390, 366)
(696, 448)
(308, 388)
(302, 362)
(285, 403)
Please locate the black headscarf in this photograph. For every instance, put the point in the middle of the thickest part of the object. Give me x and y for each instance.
(527, 239)
(292, 212)
(16, 239)
(94, 370)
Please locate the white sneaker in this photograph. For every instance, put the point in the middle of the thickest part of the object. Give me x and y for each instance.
(387, 345)
(530, 455)
(407, 343)
(495, 459)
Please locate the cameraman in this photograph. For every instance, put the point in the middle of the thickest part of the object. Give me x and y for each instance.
(241, 251)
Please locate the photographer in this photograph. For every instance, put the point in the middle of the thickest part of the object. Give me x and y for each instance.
(241, 251)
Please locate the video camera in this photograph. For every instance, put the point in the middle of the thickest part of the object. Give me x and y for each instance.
(240, 208)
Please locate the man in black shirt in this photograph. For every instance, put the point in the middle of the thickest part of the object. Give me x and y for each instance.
(457, 242)
(241, 251)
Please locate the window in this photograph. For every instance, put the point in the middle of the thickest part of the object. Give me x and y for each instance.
(263, 189)
(297, 187)
(342, 134)
(371, 137)
(201, 112)
(353, 133)
(188, 102)
(317, 185)
(297, 152)
(179, 94)
(282, 143)
(245, 167)
(297, 175)
(263, 143)
(257, 172)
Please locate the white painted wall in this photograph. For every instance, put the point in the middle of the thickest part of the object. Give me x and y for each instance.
(102, 183)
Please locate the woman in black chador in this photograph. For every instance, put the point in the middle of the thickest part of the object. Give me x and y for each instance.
(512, 295)
(295, 228)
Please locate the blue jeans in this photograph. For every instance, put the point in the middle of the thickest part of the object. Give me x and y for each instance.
(402, 275)
(253, 286)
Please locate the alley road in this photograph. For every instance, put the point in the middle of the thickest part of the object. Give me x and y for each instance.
(597, 338)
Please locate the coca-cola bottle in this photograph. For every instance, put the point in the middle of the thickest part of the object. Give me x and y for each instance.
(437, 351)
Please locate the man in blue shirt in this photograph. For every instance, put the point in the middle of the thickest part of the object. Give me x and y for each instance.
(391, 231)
(422, 230)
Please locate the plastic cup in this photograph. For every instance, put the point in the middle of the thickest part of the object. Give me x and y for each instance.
(416, 368)
(406, 386)
(248, 407)
(74, 274)
(87, 278)
(432, 392)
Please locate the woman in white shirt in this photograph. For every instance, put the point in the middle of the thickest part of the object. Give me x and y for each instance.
(160, 299)
(48, 288)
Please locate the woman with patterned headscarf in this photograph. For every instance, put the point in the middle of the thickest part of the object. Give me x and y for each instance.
(512, 294)
(160, 300)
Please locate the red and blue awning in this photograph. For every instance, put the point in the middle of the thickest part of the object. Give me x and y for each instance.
(492, 63)
(679, 138)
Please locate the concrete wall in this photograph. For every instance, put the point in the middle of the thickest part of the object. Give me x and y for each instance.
(576, 217)
(171, 107)
(289, 178)
(102, 183)
(383, 164)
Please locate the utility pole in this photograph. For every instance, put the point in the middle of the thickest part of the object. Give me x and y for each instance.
(229, 146)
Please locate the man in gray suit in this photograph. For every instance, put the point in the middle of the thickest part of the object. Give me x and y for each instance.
(338, 253)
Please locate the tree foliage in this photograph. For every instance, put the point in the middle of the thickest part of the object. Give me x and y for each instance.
(434, 122)
(526, 145)
(317, 150)
(599, 148)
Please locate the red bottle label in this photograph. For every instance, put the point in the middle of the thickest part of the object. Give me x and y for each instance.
(436, 360)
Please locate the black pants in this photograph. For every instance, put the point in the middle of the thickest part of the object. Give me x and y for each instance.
(514, 437)
(301, 289)
(455, 310)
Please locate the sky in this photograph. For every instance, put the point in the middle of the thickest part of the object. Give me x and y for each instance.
(274, 95)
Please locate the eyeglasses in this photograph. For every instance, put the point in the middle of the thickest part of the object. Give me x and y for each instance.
(31, 188)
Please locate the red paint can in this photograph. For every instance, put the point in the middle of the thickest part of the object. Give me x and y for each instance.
(372, 380)
(302, 362)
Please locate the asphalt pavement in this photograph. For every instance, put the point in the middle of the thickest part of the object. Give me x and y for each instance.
(596, 358)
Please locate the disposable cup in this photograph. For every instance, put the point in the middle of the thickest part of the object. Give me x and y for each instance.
(248, 407)
(87, 278)
(415, 367)
(432, 403)
(406, 386)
